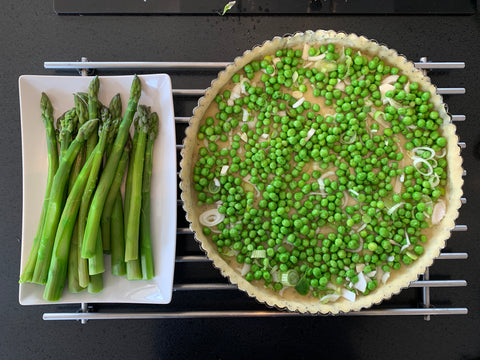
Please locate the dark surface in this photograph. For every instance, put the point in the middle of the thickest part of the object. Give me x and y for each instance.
(265, 7)
(32, 34)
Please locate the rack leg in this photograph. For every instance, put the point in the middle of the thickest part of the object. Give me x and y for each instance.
(83, 309)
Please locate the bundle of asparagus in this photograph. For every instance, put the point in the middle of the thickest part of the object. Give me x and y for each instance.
(84, 215)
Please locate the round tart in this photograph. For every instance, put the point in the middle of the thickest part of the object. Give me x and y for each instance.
(321, 172)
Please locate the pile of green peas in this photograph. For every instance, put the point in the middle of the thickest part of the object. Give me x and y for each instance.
(264, 153)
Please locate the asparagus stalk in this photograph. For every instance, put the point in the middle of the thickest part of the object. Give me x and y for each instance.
(111, 197)
(88, 193)
(146, 256)
(117, 238)
(133, 267)
(96, 284)
(72, 269)
(115, 108)
(68, 125)
(93, 108)
(60, 257)
(96, 264)
(133, 222)
(128, 183)
(81, 100)
(52, 151)
(134, 270)
(96, 208)
(54, 205)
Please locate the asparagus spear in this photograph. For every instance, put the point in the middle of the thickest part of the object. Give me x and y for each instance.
(89, 190)
(115, 108)
(72, 269)
(146, 257)
(128, 183)
(54, 205)
(96, 264)
(96, 208)
(117, 238)
(67, 129)
(60, 256)
(133, 222)
(52, 151)
(93, 108)
(80, 100)
(96, 284)
(133, 267)
(110, 200)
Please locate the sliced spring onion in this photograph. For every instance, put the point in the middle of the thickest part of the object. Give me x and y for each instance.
(390, 79)
(329, 298)
(350, 140)
(245, 115)
(395, 208)
(353, 192)
(245, 269)
(385, 277)
(317, 57)
(423, 163)
(295, 76)
(310, 133)
(434, 180)
(349, 295)
(408, 242)
(289, 278)
(340, 86)
(325, 65)
(384, 88)
(211, 217)
(259, 254)
(298, 102)
(411, 255)
(224, 169)
(418, 152)
(361, 284)
(438, 212)
(214, 186)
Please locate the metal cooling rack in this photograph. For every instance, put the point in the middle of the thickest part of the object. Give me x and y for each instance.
(191, 285)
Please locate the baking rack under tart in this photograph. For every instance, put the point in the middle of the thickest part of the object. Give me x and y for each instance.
(199, 290)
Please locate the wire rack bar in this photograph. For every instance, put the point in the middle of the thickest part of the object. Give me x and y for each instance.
(197, 65)
(201, 92)
(186, 119)
(244, 313)
(222, 286)
(202, 258)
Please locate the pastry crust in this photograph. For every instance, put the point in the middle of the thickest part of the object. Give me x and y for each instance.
(400, 279)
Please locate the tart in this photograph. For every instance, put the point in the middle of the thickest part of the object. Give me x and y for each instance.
(321, 172)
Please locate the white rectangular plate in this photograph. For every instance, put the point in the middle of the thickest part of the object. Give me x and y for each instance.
(156, 93)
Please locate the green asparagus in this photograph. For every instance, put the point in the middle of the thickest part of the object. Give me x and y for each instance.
(56, 196)
(93, 108)
(96, 208)
(52, 151)
(110, 200)
(89, 191)
(146, 256)
(60, 255)
(133, 222)
(117, 241)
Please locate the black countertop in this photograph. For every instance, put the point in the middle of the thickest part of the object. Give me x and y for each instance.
(32, 34)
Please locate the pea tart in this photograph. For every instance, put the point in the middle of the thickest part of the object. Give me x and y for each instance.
(321, 172)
